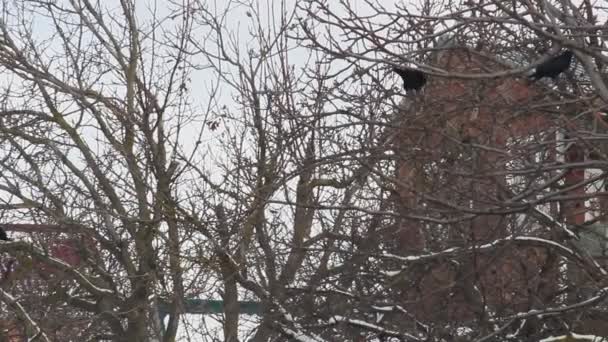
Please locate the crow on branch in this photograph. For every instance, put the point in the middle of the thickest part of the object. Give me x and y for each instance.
(412, 79)
(553, 67)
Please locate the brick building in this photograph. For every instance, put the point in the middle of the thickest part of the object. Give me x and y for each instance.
(457, 145)
(40, 288)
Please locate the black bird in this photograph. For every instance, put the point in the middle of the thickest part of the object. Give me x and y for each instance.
(412, 79)
(3, 235)
(553, 67)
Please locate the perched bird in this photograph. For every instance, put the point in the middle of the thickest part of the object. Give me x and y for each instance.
(412, 79)
(553, 67)
(3, 235)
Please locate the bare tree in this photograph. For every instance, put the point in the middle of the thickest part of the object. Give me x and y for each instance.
(265, 152)
(93, 107)
(494, 176)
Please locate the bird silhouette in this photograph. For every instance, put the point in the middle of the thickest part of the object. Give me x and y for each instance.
(412, 79)
(3, 235)
(553, 67)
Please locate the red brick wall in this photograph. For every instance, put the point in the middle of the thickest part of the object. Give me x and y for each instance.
(479, 111)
